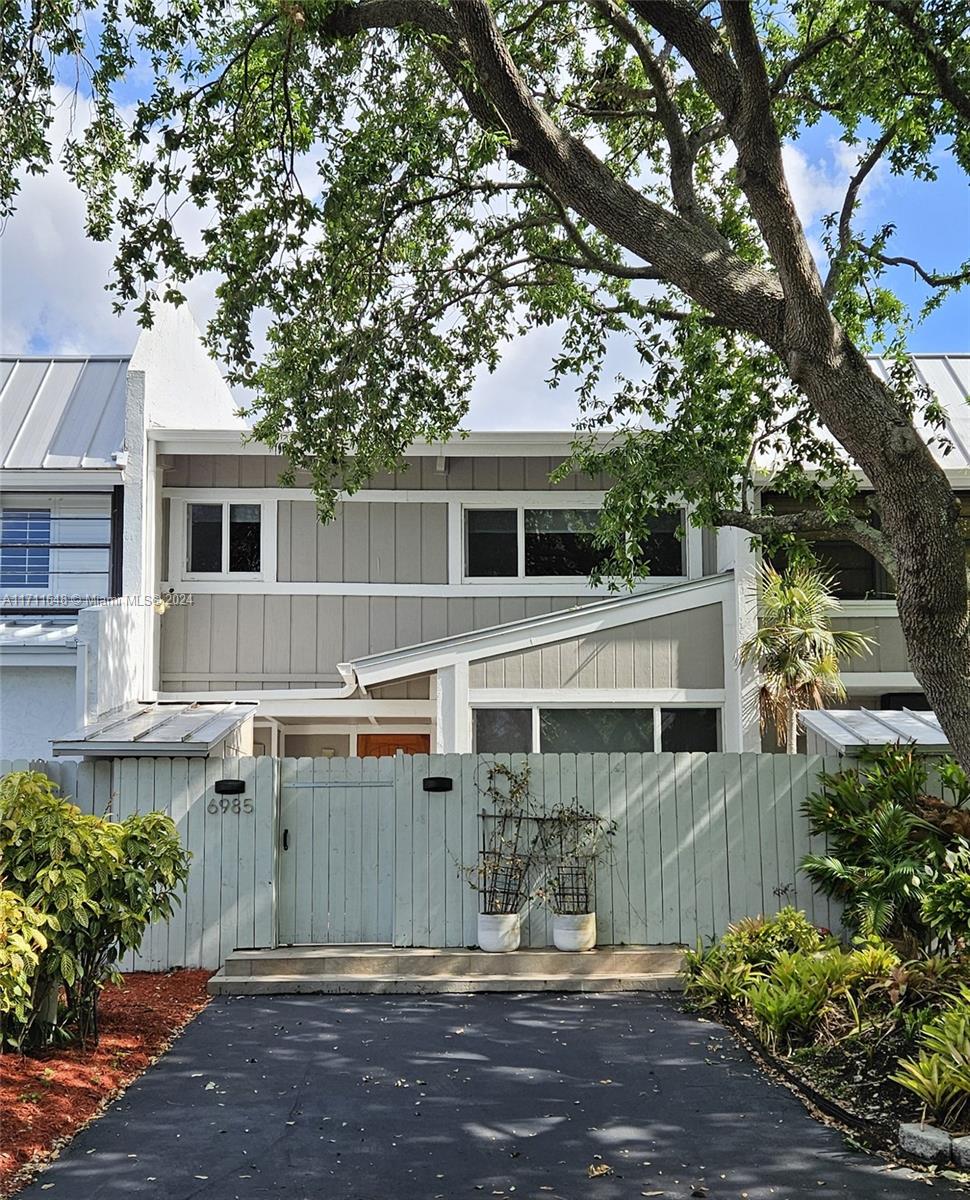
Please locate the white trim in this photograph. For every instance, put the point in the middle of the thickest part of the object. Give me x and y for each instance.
(308, 703)
(867, 608)
(596, 697)
(181, 580)
(32, 656)
(456, 542)
(54, 479)
(880, 681)
(537, 631)
(479, 498)
(478, 444)
(567, 586)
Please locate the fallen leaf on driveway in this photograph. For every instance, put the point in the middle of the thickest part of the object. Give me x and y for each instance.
(596, 1170)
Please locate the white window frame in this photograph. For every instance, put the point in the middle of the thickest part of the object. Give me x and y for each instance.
(508, 702)
(178, 537)
(578, 502)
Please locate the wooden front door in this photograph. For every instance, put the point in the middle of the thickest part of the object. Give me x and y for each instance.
(383, 745)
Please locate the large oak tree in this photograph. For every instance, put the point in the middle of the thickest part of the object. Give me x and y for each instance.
(397, 187)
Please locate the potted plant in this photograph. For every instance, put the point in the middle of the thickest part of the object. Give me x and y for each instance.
(501, 874)
(573, 839)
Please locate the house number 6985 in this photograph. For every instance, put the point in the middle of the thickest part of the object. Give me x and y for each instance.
(230, 804)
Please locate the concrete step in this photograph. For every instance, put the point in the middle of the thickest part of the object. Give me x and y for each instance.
(369, 985)
(388, 961)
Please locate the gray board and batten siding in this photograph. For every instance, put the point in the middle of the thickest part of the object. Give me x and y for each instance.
(272, 641)
(462, 474)
(680, 650)
(701, 840)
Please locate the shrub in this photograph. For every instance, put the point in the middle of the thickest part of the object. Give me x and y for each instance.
(940, 1075)
(22, 942)
(945, 906)
(760, 940)
(98, 883)
(887, 841)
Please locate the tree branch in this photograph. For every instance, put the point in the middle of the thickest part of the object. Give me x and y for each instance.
(908, 14)
(659, 77)
(929, 277)
(812, 523)
(864, 169)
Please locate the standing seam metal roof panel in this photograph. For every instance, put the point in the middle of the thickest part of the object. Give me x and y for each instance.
(65, 413)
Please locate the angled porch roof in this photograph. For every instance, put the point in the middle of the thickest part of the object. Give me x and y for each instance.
(610, 613)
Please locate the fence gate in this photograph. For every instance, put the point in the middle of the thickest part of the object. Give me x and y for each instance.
(336, 850)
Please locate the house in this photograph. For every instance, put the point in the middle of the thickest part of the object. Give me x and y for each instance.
(446, 608)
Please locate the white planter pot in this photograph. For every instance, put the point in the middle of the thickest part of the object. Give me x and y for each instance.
(574, 931)
(499, 931)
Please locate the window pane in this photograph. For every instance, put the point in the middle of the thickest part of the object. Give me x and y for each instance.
(663, 549)
(205, 538)
(688, 730)
(560, 541)
(503, 730)
(856, 572)
(25, 551)
(491, 547)
(595, 730)
(244, 537)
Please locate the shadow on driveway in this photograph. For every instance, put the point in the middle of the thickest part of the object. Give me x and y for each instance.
(411, 1098)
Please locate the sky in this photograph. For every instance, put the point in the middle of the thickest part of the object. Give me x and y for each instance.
(53, 298)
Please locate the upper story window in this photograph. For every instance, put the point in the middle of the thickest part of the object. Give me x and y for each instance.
(543, 543)
(223, 539)
(855, 573)
(25, 548)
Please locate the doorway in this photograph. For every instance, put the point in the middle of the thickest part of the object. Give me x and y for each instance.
(384, 745)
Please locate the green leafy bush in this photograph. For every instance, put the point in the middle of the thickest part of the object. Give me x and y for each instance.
(22, 942)
(940, 1075)
(945, 906)
(98, 884)
(887, 841)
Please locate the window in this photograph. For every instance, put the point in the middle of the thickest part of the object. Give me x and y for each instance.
(595, 730)
(223, 539)
(491, 548)
(25, 552)
(603, 730)
(559, 541)
(503, 730)
(684, 730)
(664, 549)
(543, 543)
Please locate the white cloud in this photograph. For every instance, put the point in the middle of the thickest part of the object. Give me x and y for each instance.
(53, 277)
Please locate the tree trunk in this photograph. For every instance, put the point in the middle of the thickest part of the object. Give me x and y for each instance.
(791, 739)
(920, 519)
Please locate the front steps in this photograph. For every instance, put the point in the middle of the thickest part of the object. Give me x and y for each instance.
(390, 970)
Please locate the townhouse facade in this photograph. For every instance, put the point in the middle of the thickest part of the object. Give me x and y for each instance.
(446, 608)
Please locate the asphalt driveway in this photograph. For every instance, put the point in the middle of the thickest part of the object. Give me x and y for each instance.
(374, 1098)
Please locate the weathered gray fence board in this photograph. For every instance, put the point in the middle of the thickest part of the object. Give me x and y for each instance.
(701, 840)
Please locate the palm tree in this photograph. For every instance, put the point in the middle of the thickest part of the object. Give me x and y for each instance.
(796, 650)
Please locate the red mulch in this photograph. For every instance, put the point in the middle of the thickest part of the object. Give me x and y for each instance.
(47, 1098)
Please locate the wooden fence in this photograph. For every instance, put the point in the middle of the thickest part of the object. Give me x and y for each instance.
(347, 850)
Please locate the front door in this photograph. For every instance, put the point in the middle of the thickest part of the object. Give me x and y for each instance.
(385, 745)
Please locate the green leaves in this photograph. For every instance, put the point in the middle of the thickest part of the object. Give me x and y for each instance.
(94, 885)
(884, 856)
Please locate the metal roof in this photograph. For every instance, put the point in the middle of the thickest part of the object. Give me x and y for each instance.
(182, 730)
(33, 632)
(851, 729)
(61, 413)
(948, 377)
